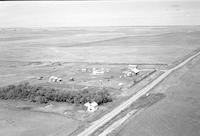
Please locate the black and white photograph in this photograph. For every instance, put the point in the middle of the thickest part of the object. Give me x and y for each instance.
(100, 68)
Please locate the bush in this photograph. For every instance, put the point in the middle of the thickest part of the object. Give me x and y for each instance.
(25, 91)
(40, 99)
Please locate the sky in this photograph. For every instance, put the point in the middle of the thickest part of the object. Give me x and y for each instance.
(99, 13)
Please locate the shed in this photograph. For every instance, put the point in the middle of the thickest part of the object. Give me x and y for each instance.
(97, 72)
(51, 78)
(84, 70)
(55, 79)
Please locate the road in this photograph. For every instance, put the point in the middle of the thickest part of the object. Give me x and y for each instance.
(176, 115)
(106, 118)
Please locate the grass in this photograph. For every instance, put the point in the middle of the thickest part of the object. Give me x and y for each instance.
(26, 91)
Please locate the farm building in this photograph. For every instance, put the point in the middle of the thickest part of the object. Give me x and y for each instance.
(91, 106)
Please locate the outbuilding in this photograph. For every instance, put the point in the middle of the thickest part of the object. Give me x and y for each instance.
(55, 79)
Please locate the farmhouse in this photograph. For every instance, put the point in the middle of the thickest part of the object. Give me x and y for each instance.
(91, 106)
(134, 69)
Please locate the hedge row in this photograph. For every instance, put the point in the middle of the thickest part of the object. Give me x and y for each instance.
(33, 93)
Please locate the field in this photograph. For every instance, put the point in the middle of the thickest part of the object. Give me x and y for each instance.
(182, 116)
(106, 45)
(36, 54)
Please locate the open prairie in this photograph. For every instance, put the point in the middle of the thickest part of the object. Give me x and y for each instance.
(36, 54)
(103, 44)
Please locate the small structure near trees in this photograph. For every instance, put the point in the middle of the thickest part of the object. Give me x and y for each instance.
(91, 106)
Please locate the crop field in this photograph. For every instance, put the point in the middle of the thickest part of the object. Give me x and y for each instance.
(91, 58)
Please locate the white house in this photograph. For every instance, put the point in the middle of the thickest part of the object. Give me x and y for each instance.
(91, 106)
(134, 69)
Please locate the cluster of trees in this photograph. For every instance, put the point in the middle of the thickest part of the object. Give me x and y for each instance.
(34, 93)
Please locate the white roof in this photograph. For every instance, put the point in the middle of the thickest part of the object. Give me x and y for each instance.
(93, 104)
(135, 70)
(87, 104)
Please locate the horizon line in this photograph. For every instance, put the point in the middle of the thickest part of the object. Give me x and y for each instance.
(99, 26)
